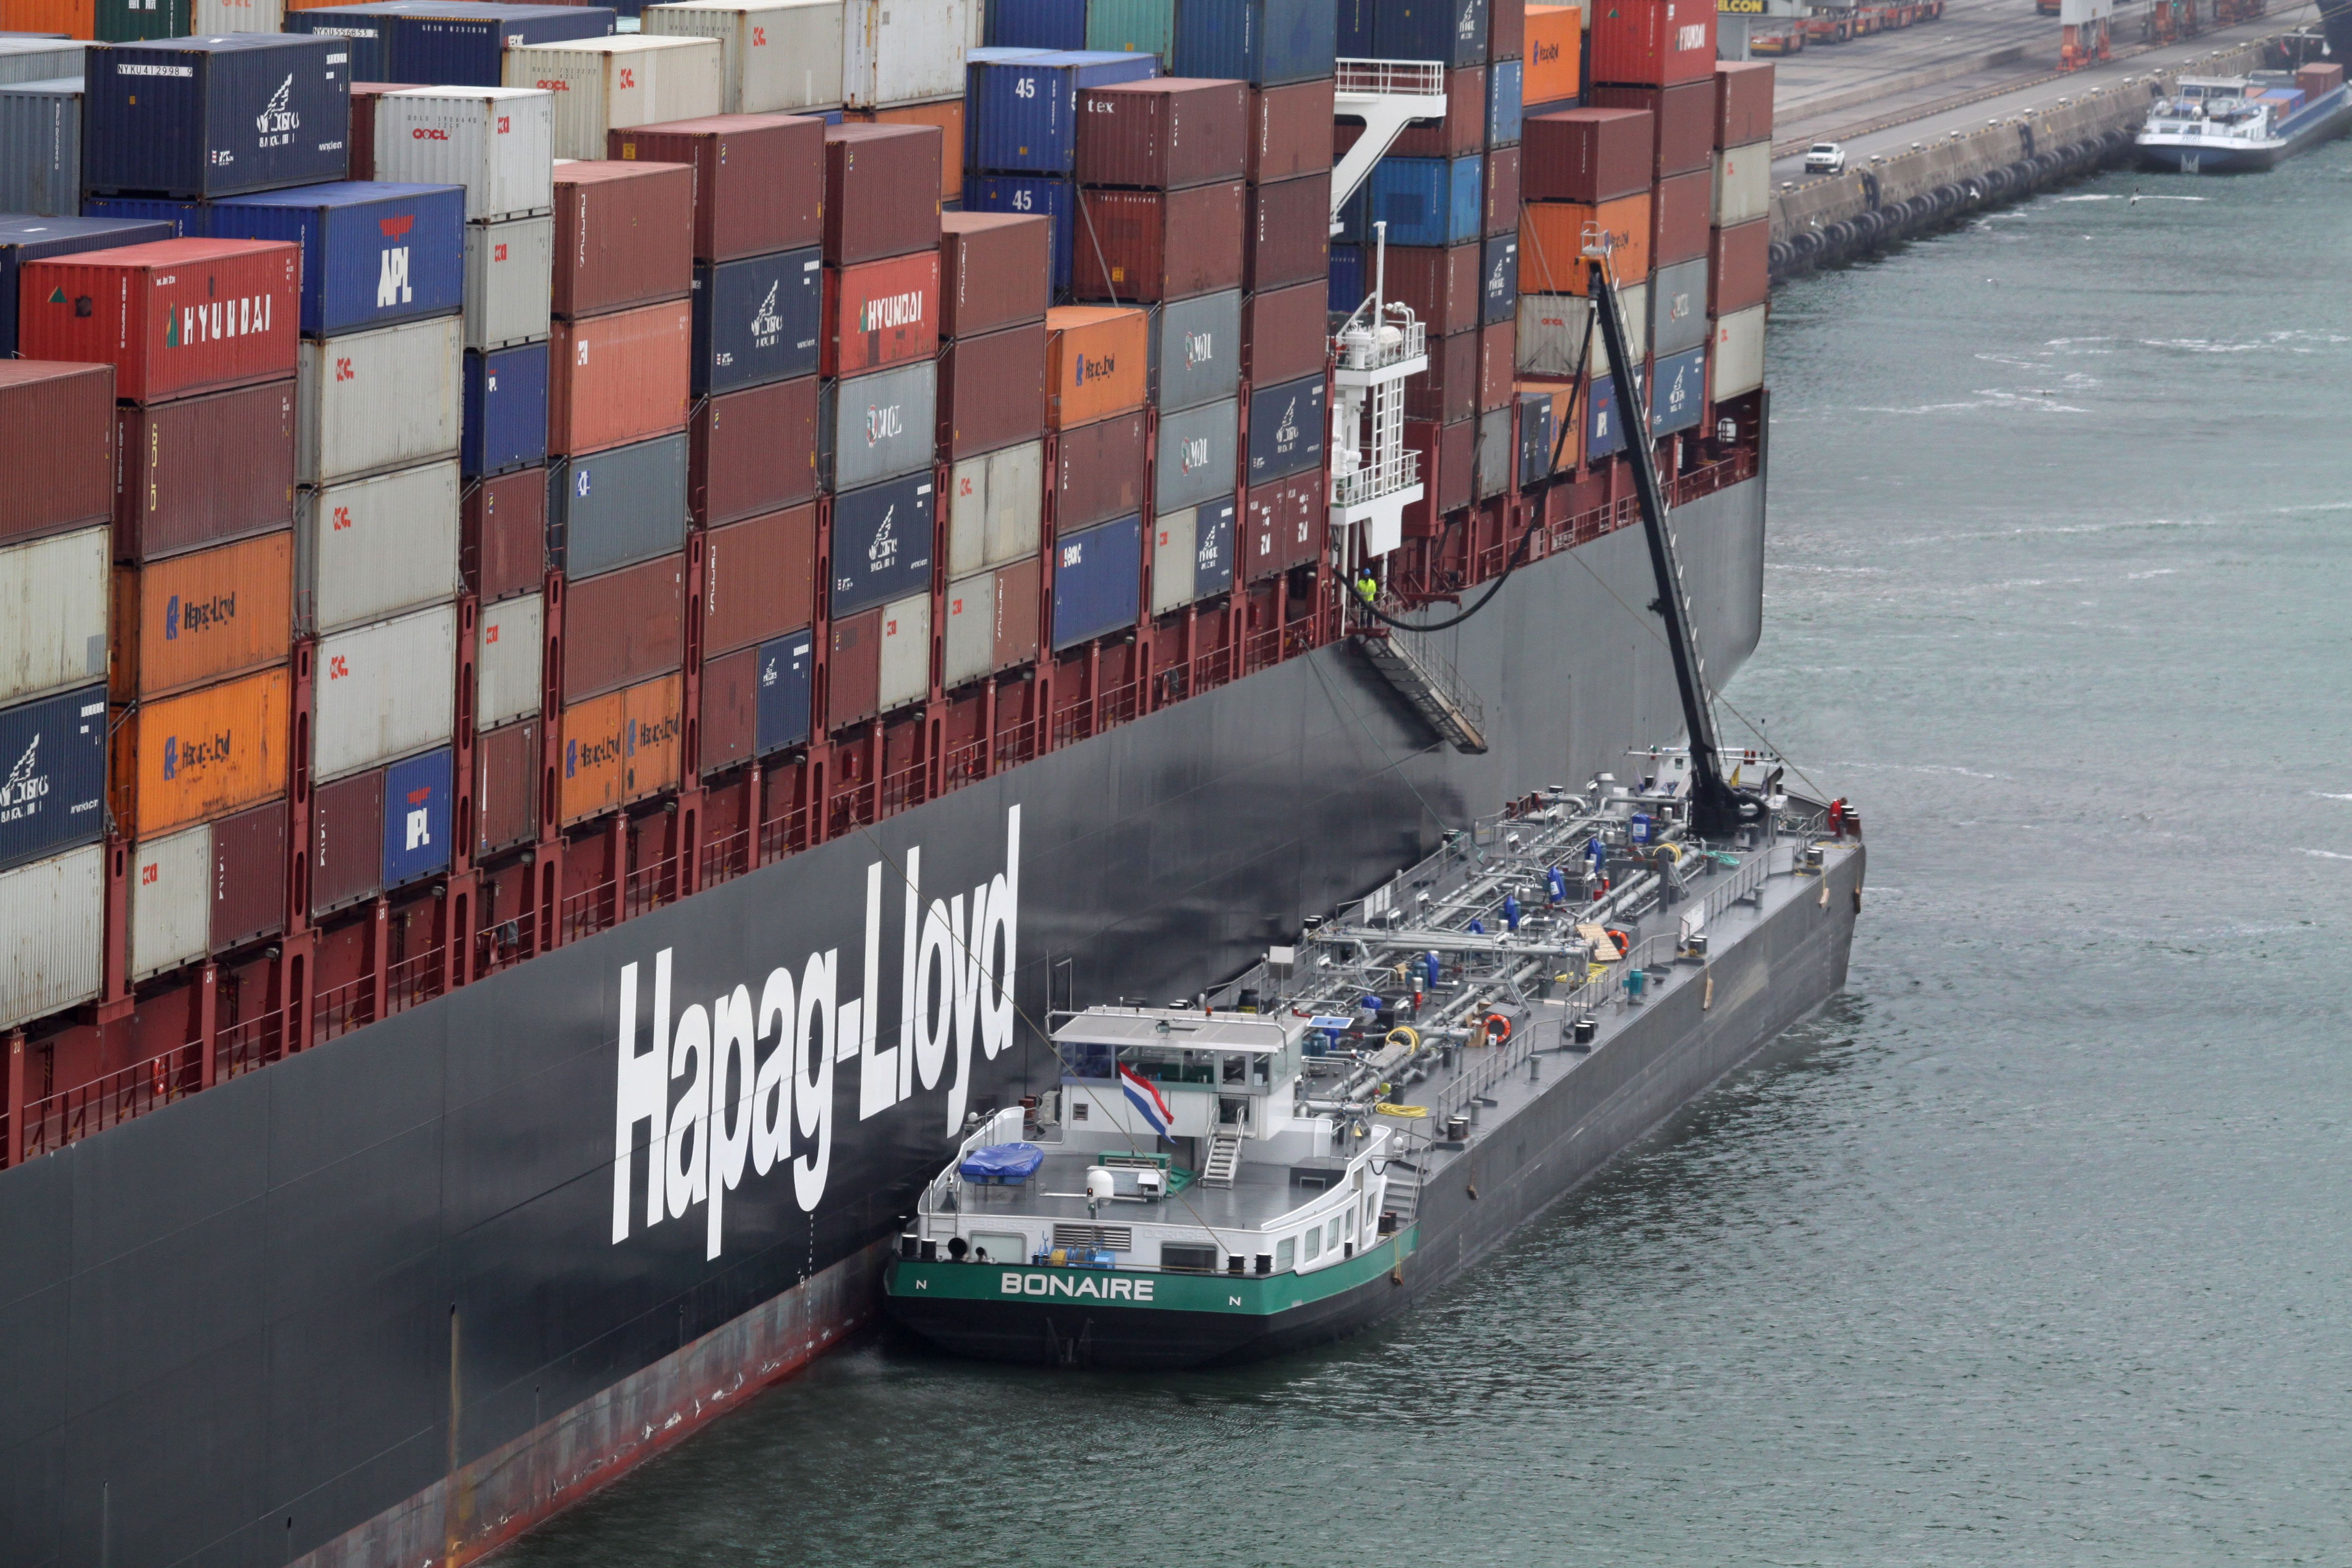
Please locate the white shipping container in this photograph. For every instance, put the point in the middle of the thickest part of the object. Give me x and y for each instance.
(777, 54)
(906, 650)
(1559, 336)
(509, 267)
(53, 598)
(1175, 538)
(611, 84)
(367, 549)
(971, 627)
(170, 901)
(215, 16)
(1735, 363)
(996, 502)
(52, 932)
(509, 641)
(385, 691)
(905, 51)
(1743, 184)
(368, 402)
(497, 141)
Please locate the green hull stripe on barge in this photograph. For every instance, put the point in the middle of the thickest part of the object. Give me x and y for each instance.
(1247, 1295)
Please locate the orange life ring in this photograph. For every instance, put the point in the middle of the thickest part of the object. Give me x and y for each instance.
(1499, 1028)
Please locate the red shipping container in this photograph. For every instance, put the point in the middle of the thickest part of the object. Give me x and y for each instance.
(881, 191)
(758, 179)
(1448, 390)
(502, 535)
(880, 313)
(944, 114)
(995, 270)
(506, 785)
(1163, 135)
(993, 391)
(1448, 461)
(624, 626)
(1441, 286)
(1282, 334)
(1018, 590)
(199, 471)
(1282, 525)
(1502, 191)
(1681, 211)
(1506, 28)
(56, 446)
(1098, 472)
(1141, 247)
(346, 856)
(1653, 43)
(1289, 233)
(1290, 131)
(853, 673)
(1681, 123)
(624, 236)
(1743, 102)
(1586, 154)
(1461, 132)
(618, 378)
(362, 143)
(174, 317)
(1498, 345)
(752, 452)
(1740, 270)
(249, 876)
(730, 710)
(759, 579)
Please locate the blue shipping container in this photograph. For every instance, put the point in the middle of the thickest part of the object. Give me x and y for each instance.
(365, 30)
(1427, 201)
(1023, 115)
(373, 253)
(786, 667)
(466, 45)
(215, 117)
(1213, 542)
(1035, 24)
(1503, 82)
(756, 320)
(506, 410)
(1498, 288)
(882, 543)
(189, 220)
(416, 818)
(1680, 389)
(1356, 29)
(1454, 31)
(1348, 286)
(1286, 425)
(24, 239)
(1263, 42)
(1097, 580)
(1041, 195)
(52, 775)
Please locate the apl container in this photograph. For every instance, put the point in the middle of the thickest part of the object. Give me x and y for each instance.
(910, 51)
(53, 612)
(995, 270)
(608, 84)
(1165, 135)
(373, 253)
(506, 410)
(175, 317)
(993, 391)
(1604, 433)
(759, 579)
(416, 818)
(1736, 366)
(879, 426)
(1047, 196)
(496, 142)
(906, 675)
(1263, 42)
(882, 544)
(624, 236)
(56, 444)
(1097, 580)
(881, 191)
(203, 617)
(1148, 245)
(1196, 350)
(52, 934)
(754, 451)
(624, 626)
(214, 116)
(759, 180)
(508, 272)
(53, 790)
(786, 669)
(619, 378)
(367, 549)
(384, 691)
(32, 238)
(41, 125)
(777, 55)
(202, 753)
(1287, 426)
(503, 533)
(198, 470)
(996, 505)
(1021, 115)
(1199, 455)
(466, 45)
(510, 650)
(388, 398)
(616, 506)
(879, 313)
(756, 320)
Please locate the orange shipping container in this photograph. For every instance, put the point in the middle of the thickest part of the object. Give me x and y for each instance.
(202, 754)
(75, 18)
(203, 616)
(1555, 54)
(947, 115)
(620, 747)
(1551, 243)
(654, 725)
(619, 377)
(1095, 362)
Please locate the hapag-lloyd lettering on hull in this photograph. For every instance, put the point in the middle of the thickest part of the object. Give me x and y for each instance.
(732, 1089)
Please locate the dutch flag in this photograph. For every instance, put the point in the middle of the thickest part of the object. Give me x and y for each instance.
(1143, 1094)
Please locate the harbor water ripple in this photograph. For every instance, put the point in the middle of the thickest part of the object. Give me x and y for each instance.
(2033, 1247)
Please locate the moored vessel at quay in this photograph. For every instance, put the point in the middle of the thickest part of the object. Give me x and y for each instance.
(2227, 125)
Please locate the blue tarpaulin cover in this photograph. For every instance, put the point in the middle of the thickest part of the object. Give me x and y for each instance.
(1001, 1162)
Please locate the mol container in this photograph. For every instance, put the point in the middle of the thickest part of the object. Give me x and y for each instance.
(52, 934)
(756, 320)
(175, 317)
(882, 544)
(619, 378)
(372, 254)
(1196, 350)
(1148, 246)
(1462, 132)
(40, 124)
(1163, 135)
(878, 426)
(204, 754)
(754, 451)
(56, 445)
(1261, 42)
(510, 648)
(996, 505)
(384, 691)
(617, 506)
(509, 266)
(624, 236)
(1097, 580)
(1021, 114)
(775, 54)
(1743, 102)
(497, 141)
(907, 51)
(389, 398)
(606, 84)
(53, 793)
(29, 238)
(203, 617)
(53, 612)
(215, 116)
(505, 409)
(759, 180)
(367, 549)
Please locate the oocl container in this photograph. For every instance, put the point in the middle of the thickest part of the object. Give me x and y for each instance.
(624, 626)
(785, 672)
(854, 668)
(367, 549)
(880, 313)
(993, 391)
(996, 505)
(1148, 245)
(174, 317)
(1287, 426)
(29, 238)
(995, 271)
(198, 471)
(1197, 348)
(881, 191)
(364, 94)
(758, 319)
(202, 753)
(1097, 580)
(510, 651)
(1199, 455)
(505, 409)
(607, 84)
(497, 141)
(214, 116)
(1290, 233)
(754, 451)
(613, 507)
(56, 445)
(416, 818)
(53, 612)
(506, 786)
(1096, 363)
(53, 790)
(170, 904)
(911, 52)
(1021, 114)
(202, 617)
(775, 54)
(758, 179)
(52, 934)
(619, 378)
(1099, 470)
(905, 673)
(384, 691)
(504, 535)
(1736, 366)
(40, 123)
(1586, 154)
(878, 426)
(509, 270)
(759, 579)
(388, 398)
(373, 253)
(882, 544)
(623, 235)
(1653, 43)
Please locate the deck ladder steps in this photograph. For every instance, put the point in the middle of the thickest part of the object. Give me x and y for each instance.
(1424, 678)
(1225, 1158)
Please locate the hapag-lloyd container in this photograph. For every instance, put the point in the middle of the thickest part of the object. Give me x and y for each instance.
(908, 51)
(56, 445)
(880, 313)
(384, 691)
(1742, 184)
(52, 934)
(615, 748)
(497, 141)
(759, 579)
(368, 548)
(785, 671)
(1163, 134)
(995, 507)
(1290, 233)
(1099, 470)
(754, 451)
(214, 116)
(1283, 333)
(993, 391)
(505, 409)
(1553, 52)
(1743, 102)
(624, 626)
(509, 269)
(503, 535)
(1097, 580)
(373, 253)
(30, 237)
(882, 543)
(1553, 236)
(202, 753)
(389, 398)
(613, 507)
(416, 818)
(506, 786)
(1097, 361)
(1678, 319)
(1197, 347)
(40, 123)
(610, 84)
(878, 426)
(1736, 366)
(53, 612)
(509, 645)
(1263, 42)
(756, 320)
(1021, 114)
(1653, 43)
(996, 271)
(1148, 245)
(881, 191)
(248, 879)
(202, 617)
(175, 317)
(1199, 456)
(624, 236)
(619, 378)
(198, 471)
(906, 675)
(758, 179)
(1286, 427)
(170, 901)
(777, 55)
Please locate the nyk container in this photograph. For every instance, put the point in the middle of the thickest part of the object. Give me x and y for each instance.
(509, 269)
(758, 319)
(619, 378)
(198, 470)
(56, 446)
(1191, 554)
(991, 391)
(1021, 115)
(503, 533)
(1553, 51)
(881, 191)
(1741, 184)
(616, 506)
(505, 409)
(1049, 197)
(1148, 245)
(1199, 455)
(1283, 333)
(506, 786)
(997, 506)
(1678, 318)
(204, 754)
(624, 236)
(53, 793)
(785, 671)
(608, 84)
(440, 44)
(346, 855)
(25, 238)
(1286, 427)
(880, 313)
(1097, 580)
(881, 547)
(388, 398)
(1164, 134)
(214, 116)
(775, 54)
(1678, 384)
(1682, 121)
(510, 650)
(759, 180)
(53, 612)
(1586, 155)
(367, 549)
(373, 253)
(1743, 102)
(1096, 363)
(624, 626)
(1653, 43)
(1680, 214)
(910, 51)
(1263, 42)
(496, 142)
(384, 691)
(52, 933)
(416, 818)
(905, 673)
(1289, 131)
(1197, 348)
(174, 317)
(878, 426)
(203, 617)
(1741, 271)
(1737, 363)
(1289, 239)
(754, 451)
(1282, 525)
(759, 579)
(40, 123)
(1099, 470)
(1552, 240)
(854, 668)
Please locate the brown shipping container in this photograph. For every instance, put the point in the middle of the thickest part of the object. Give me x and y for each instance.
(1281, 525)
(993, 391)
(502, 537)
(1098, 472)
(590, 769)
(1680, 209)
(995, 270)
(1506, 26)
(362, 143)
(1585, 154)
(1448, 457)
(880, 313)
(1017, 591)
(1163, 135)
(853, 671)
(624, 236)
(1290, 131)
(1743, 102)
(1502, 191)
(56, 446)
(192, 619)
(346, 841)
(759, 579)
(249, 876)
(752, 452)
(758, 179)
(730, 710)
(624, 626)
(619, 378)
(1096, 361)
(1739, 273)
(1149, 246)
(1682, 121)
(1464, 129)
(201, 754)
(1448, 390)
(198, 470)
(506, 786)
(881, 191)
(653, 744)
(947, 116)
(1442, 286)
(1289, 233)
(1497, 344)
(1283, 333)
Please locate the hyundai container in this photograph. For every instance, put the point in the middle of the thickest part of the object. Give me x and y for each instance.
(373, 253)
(906, 672)
(995, 509)
(785, 671)
(367, 549)
(881, 547)
(1462, 132)
(759, 180)
(1289, 239)
(174, 317)
(497, 141)
(624, 236)
(510, 651)
(40, 123)
(754, 451)
(198, 470)
(178, 760)
(624, 626)
(616, 506)
(28, 237)
(201, 617)
(1097, 580)
(1143, 246)
(503, 535)
(756, 320)
(909, 51)
(995, 271)
(759, 579)
(879, 426)
(881, 191)
(611, 84)
(991, 391)
(1199, 455)
(880, 313)
(215, 116)
(52, 933)
(777, 55)
(509, 270)
(505, 409)
(56, 445)
(1099, 470)
(387, 398)
(619, 378)
(384, 691)
(1286, 428)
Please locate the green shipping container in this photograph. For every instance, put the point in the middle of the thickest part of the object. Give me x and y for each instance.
(1133, 27)
(130, 21)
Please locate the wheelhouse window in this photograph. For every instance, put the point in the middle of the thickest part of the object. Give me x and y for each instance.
(1086, 1058)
